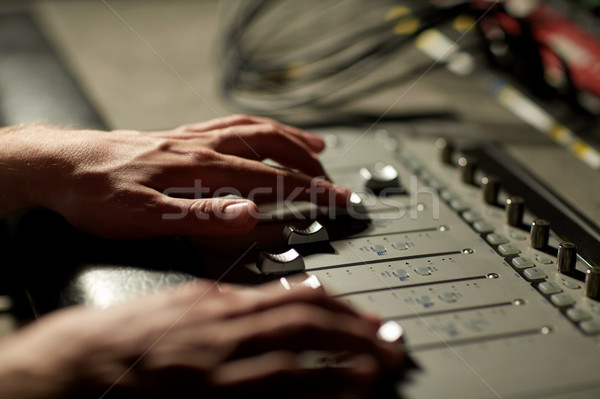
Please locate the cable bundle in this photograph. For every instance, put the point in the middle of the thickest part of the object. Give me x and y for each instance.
(285, 56)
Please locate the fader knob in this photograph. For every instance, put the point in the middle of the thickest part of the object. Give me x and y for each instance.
(286, 262)
(467, 169)
(592, 283)
(380, 177)
(313, 233)
(566, 257)
(540, 231)
(515, 207)
(490, 186)
(446, 150)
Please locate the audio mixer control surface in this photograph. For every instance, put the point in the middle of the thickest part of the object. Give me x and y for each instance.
(490, 278)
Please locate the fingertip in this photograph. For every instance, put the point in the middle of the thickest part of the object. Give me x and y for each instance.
(342, 194)
(241, 216)
(315, 141)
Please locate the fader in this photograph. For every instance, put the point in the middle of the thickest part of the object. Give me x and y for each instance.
(495, 299)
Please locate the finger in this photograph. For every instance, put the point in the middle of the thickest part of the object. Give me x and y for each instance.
(255, 180)
(280, 372)
(227, 174)
(267, 296)
(262, 141)
(314, 141)
(301, 327)
(210, 218)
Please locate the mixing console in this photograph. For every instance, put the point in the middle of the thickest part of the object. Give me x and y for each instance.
(493, 287)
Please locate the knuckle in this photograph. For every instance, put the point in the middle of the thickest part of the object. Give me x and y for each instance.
(204, 155)
(240, 118)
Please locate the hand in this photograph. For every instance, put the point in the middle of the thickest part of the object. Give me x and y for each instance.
(140, 184)
(197, 341)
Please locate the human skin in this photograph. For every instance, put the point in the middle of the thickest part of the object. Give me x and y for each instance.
(115, 184)
(197, 340)
(200, 339)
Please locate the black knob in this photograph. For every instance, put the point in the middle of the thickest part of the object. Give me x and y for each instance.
(287, 262)
(515, 207)
(540, 231)
(592, 283)
(380, 177)
(312, 234)
(468, 167)
(491, 187)
(566, 258)
(446, 150)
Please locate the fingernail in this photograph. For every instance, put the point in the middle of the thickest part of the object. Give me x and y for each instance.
(315, 141)
(342, 193)
(237, 214)
(309, 282)
(285, 283)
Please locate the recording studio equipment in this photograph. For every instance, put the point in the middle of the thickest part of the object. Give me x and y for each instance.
(495, 286)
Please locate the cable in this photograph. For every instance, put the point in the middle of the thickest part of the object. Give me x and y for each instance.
(283, 56)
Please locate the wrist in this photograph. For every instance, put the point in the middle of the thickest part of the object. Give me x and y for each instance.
(15, 193)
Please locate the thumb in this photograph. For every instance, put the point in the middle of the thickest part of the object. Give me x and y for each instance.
(212, 217)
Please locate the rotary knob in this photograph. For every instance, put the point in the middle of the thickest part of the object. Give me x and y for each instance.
(283, 263)
(566, 257)
(380, 177)
(515, 208)
(491, 187)
(446, 151)
(468, 167)
(540, 232)
(592, 283)
(313, 233)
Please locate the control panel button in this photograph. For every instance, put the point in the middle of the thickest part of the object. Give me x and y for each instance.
(496, 239)
(521, 263)
(468, 167)
(459, 205)
(515, 208)
(400, 246)
(380, 177)
(472, 216)
(591, 327)
(448, 297)
(446, 149)
(436, 183)
(570, 284)
(422, 270)
(517, 236)
(490, 186)
(562, 299)
(425, 300)
(313, 233)
(448, 195)
(483, 227)
(286, 262)
(540, 231)
(534, 274)
(592, 283)
(400, 273)
(379, 249)
(544, 260)
(577, 315)
(566, 258)
(508, 249)
(549, 288)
